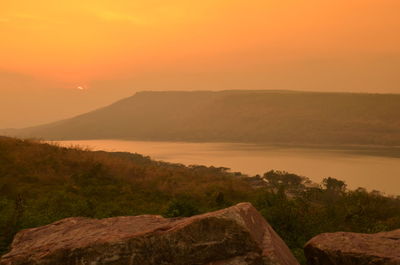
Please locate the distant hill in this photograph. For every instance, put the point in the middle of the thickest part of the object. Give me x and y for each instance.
(282, 117)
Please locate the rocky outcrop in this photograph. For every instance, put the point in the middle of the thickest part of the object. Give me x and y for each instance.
(238, 235)
(352, 248)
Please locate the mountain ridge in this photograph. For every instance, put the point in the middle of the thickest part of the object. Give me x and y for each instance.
(258, 116)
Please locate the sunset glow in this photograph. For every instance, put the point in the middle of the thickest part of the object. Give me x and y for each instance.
(75, 40)
(48, 49)
(188, 132)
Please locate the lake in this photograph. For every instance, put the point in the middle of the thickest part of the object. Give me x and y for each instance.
(373, 169)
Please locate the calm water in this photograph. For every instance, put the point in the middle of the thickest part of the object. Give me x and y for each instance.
(358, 169)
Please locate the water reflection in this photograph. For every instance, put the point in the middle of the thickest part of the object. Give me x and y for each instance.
(370, 168)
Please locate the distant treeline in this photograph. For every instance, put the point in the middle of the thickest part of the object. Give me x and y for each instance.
(238, 116)
(41, 183)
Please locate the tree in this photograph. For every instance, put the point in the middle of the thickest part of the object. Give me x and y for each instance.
(334, 185)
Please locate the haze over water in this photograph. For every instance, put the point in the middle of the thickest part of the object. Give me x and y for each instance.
(357, 169)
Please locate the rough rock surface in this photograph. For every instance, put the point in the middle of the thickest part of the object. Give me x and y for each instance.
(238, 235)
(351, 248)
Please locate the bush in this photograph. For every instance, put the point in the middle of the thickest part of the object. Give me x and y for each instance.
(183, 207)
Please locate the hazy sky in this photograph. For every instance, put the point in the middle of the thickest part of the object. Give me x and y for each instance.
(61, 58)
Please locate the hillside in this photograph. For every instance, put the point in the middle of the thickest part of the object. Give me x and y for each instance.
(41, 183)
(238, 116)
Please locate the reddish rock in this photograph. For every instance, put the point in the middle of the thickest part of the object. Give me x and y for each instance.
(238, 235)
(352, 248)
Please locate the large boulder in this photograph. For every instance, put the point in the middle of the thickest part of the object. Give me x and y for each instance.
(352, 248)
(238, 235)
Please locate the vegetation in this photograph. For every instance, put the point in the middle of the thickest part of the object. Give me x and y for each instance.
(41, 183)
(238, 116)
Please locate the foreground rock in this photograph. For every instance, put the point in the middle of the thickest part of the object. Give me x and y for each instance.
(352, 248)
(238, 235)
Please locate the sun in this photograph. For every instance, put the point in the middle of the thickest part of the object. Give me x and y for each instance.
(81, 87)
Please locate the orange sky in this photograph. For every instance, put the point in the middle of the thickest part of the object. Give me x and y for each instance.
(84, 40)
(338, 45)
